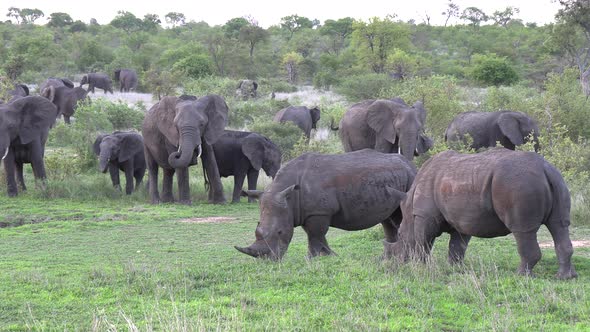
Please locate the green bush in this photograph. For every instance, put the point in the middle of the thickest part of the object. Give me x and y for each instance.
(368, 86)
(207, 85)
(194, 66)
(268, 85)
(514, 98)
(121, 115)
(284, 135)
(330, 146)
(244, 112)
(492, 70)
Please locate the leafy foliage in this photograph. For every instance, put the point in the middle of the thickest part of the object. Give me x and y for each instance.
(492, 70)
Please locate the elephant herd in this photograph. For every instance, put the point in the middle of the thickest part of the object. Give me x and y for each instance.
(486, 194)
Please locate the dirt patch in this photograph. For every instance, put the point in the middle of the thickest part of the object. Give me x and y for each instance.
(207, 220)
(575, 243)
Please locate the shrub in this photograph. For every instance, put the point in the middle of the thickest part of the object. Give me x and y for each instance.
(330, 146)
(122, 116)
(207, 85)
(244, 113)
(367, 86)
(493, 70)
(194, 66)
(284, 135)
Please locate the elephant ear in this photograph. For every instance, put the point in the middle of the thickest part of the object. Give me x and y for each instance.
(36, 114)
(49, 93)
(380, 118)
(67, 83)
(216, 110)
(424, 144)
(255, 85)
(240, 84)
(25, 89)
(253, 149)
(419, 107)
(96, 145)
(166, 111)
(315, 116)
(510, 127)
(117, 74)
(131, 144)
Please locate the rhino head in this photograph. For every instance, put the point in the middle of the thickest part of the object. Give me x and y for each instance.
(275, 229)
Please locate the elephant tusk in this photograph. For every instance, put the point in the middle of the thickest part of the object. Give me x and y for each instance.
(5, 154)
(399, 150)
(200, 151)
(178, 148)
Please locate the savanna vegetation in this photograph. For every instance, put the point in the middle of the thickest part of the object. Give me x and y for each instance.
(81, 255)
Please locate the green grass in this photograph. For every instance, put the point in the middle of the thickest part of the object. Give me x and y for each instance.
(81, 256)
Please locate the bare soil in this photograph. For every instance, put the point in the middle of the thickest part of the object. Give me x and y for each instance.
(575, 243)
(207, 220)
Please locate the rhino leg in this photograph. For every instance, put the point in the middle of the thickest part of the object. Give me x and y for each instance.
(316, 228)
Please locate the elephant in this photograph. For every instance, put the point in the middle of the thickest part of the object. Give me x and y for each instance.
(486, 128)
(176, 131)
(247, 89)
(127, 79)
(20, 90)
(386, 125)
(24, 127)
(98, 80)
(66, 99)
(350, 191)
(241, 153)
(304, 118)
(487, 195)
(56, 82)
(121, 151)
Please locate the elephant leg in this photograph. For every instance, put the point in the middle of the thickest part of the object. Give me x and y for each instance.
(391, 225)
(9, 169)
(138, 175)
(129, 177)
(457, 247)
(316, 228)
(184, 194)
(114, 172)
(67, 119)
(252, 182)
(152, 168)
(238, 184)
(210, 163)
(19, 176)
(38, 164)
(167, 196)
(563, 249)
(529, 251)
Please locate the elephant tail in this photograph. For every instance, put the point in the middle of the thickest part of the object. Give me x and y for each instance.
(560, 210)
(332, 125)
(205, 178)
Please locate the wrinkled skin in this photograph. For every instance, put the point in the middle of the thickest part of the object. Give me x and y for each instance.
(247, 89)
(240, 154)
(386, 125)
(66, 99)
(97, 80)
(127, 79)
(487, 128)
(175, 131)
(56, 82)
(121, 151)
(24, 127)
(487, 194)
(20, 90)
(304, 118)
(350, 191)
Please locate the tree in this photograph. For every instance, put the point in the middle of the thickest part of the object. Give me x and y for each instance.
(294, 23)
(29, 16)
(337, 31)
(252, 34)
(219, 48)
(14, 12)
(127, 22)
(232, 27)
(151, 22)
(291, 63)
(502, 18)
(59, 20)
(493, 70)
(474, 15)
(452, 11)
(374, 41)
(174, 18)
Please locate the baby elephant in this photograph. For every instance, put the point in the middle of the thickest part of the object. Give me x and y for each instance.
(241, 153)
(350, 191)
(487, 194)
(121, 151)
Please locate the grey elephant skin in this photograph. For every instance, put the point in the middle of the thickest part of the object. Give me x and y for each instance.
(241, 153)
(304, 118)
(97, 80)
(55, 82)
(65, 98)
(20, 90)
(386, 125)
(175, 132)
(121, 151)
(486, 128)
(24, 127)
(247, 89)
(350, 191)
(127, 79)
(487, 194)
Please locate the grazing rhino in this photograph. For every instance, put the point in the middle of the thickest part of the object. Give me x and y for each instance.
(350, 191)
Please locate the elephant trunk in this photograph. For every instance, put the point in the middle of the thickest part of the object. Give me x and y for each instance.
(407, 144)
(189, 140)
(103, 160)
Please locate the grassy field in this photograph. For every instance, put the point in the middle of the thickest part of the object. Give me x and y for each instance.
(110, 264)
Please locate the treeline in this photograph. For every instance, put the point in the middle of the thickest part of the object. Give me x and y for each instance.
(494, 49)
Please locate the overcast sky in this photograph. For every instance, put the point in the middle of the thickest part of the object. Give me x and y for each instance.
(269, 12)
